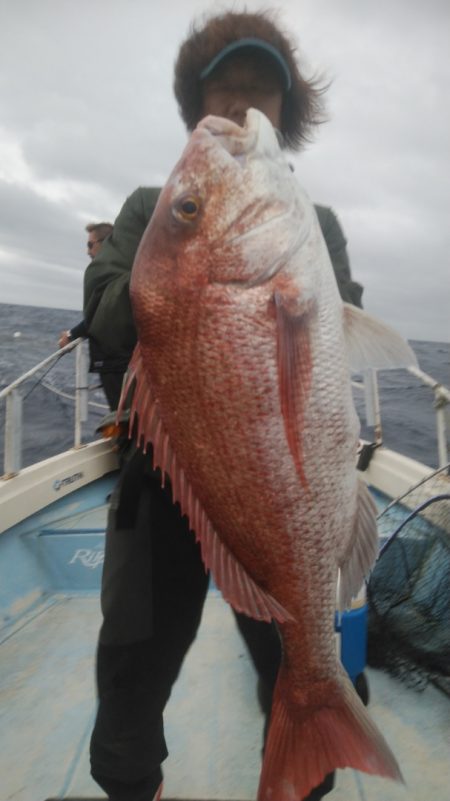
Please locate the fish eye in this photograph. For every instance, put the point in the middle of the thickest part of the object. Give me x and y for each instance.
(187, 208)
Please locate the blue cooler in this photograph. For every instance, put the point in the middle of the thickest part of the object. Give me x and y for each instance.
(351, 628)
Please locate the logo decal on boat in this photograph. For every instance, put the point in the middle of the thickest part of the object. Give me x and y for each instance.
(63, 482)
(88, 557)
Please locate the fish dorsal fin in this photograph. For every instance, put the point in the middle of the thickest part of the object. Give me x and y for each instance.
(371, 343)
(235, 584)
(359, 551)
(294, 373)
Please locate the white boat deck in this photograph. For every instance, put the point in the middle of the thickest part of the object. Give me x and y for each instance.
(213, 723)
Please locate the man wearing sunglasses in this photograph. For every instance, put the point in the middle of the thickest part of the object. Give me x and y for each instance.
(110, 368)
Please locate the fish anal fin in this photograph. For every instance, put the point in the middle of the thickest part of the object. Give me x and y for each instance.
(236, 585)
(231, 578)
(359, 551)
(305, 743)
(371, 343)
(294, 370)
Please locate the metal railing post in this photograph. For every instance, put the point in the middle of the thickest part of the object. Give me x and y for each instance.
(13, 434)
(441, 428)
(81, 392)
(372, 403)
(441, 401)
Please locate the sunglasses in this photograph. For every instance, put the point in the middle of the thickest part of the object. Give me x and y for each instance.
(90, 245)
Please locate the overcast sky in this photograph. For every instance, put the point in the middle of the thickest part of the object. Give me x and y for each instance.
(87, 114)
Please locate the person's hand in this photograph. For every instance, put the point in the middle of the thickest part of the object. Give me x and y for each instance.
(64, 339)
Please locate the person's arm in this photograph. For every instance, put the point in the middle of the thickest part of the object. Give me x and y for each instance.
(107, 308)
(79, 330)
(350, 291)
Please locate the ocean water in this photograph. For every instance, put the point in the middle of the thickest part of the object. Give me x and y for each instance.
(29, 334)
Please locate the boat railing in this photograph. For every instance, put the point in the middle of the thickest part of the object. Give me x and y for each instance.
(369, 386)
(13, 397)
(12, 394)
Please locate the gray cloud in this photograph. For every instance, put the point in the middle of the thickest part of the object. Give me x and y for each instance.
(88, 114)
(53, 228)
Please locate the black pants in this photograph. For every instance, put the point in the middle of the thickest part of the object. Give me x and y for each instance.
(153, 590)
(112, 387)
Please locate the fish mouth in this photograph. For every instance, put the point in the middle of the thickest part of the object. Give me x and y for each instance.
(257, 135)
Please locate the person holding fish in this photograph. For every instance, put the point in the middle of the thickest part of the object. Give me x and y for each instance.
(238, 319)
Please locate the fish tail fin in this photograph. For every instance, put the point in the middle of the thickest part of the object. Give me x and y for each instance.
(306, 742)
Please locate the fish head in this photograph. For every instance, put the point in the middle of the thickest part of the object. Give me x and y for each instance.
(229, 213)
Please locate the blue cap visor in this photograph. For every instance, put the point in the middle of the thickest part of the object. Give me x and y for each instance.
(250, 42)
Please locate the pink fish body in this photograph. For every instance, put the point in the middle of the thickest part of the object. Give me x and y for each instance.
(243, 386)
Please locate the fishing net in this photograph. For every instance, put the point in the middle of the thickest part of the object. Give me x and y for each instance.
(409, 589)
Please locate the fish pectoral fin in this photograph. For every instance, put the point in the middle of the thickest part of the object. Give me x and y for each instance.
(371, 343)
(294, 369)
(360, 550)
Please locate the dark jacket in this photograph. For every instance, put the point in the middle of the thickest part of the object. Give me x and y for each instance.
(99, 362)
(107, 307)
(79, 330)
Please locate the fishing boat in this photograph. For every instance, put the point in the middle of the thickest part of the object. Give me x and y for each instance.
(52, 526)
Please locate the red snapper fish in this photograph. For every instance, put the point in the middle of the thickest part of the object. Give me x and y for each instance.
(242, 372)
